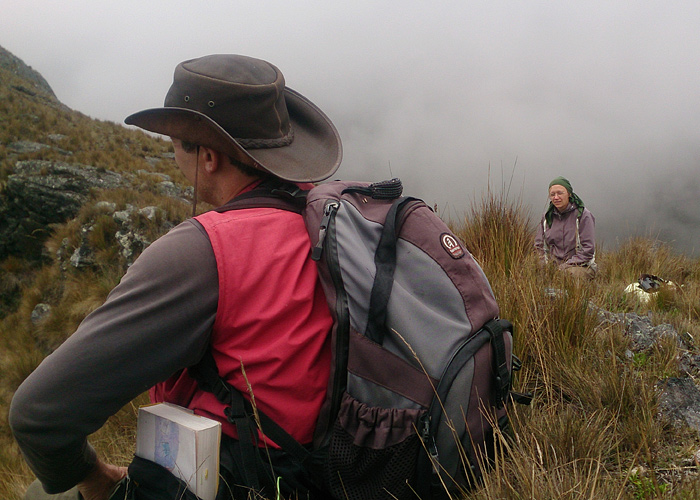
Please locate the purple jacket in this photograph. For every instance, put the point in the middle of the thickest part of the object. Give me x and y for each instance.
(559, 242)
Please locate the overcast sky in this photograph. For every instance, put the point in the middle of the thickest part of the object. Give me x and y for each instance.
(447, 95)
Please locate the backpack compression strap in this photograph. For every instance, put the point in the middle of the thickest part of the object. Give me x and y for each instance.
(385, 262)
(496, 329)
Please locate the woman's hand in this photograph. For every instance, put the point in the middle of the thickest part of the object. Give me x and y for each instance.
(101, 481)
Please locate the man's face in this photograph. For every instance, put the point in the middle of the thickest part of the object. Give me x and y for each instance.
(186, 162)
(559, 197)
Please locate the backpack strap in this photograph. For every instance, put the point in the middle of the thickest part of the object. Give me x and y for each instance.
(545, 247)
(239, 411)
(496, 329)
(385, 262)
(271, 193)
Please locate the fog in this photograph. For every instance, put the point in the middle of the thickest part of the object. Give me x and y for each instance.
(452, 97)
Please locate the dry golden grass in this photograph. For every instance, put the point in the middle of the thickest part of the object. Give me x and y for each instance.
(592, 430)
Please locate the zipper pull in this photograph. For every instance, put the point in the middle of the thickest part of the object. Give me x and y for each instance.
(328, 211)
(429, 442)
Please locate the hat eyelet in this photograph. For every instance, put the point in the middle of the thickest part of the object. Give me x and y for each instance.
(187, 98)
(211, 104)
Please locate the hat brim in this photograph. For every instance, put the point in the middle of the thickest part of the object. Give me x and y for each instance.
(314, 154)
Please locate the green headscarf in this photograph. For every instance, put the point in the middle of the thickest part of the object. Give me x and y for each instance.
(573, 198)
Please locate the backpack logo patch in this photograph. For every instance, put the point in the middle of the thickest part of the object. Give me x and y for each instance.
(451, 245)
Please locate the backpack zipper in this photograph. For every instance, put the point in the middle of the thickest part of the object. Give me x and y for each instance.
(329, 212)
(328, 242)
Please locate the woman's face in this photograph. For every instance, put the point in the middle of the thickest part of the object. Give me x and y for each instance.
(559, 197)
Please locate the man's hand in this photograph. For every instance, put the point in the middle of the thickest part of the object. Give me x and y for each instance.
(100, 482)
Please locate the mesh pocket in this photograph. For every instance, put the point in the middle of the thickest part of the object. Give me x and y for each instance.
(372, 452)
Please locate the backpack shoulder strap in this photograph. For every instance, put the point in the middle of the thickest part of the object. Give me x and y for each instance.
(239, 411)
(271, 193)
(207, 376)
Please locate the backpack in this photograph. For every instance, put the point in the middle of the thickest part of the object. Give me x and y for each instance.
(421, 363)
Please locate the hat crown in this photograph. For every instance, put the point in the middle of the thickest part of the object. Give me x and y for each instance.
(240, 106)
(243, 95)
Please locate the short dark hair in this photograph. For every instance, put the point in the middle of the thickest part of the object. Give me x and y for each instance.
(190, 147)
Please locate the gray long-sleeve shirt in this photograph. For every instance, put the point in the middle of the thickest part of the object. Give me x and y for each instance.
(166, 305)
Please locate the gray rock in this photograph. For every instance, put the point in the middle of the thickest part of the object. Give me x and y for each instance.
(21, 147)
(679, 402)
(40, 193)
(106, 206)
(40, 313)
(122, 216)
(150, 212)
(644, 334)
(82, 257)
(168, 188)
(18, 67)
(131, 243)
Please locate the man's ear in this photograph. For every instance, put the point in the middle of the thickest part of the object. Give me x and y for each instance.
(211, 159)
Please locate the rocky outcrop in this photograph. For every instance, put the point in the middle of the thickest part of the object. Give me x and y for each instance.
(40, 193)
(34, 81)
(678, 397)
(129, 235)
(645, 335)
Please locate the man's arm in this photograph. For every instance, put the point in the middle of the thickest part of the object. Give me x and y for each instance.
(155, 322)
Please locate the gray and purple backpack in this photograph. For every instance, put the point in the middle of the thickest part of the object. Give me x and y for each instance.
(421, 367)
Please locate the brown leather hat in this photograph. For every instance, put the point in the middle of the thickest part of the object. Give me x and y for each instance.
(240, 106)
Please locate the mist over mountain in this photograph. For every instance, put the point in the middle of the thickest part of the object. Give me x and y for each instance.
(614, 373)
(633, 191)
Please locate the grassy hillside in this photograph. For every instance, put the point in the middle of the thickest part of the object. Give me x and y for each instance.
(31, 115)
(594, 429)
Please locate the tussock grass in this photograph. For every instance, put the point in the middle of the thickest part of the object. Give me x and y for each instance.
(593, 430)
(497, 233)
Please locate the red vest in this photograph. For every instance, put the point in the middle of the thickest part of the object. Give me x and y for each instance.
(272, 321)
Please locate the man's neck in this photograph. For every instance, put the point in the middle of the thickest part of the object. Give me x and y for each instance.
(238, 184)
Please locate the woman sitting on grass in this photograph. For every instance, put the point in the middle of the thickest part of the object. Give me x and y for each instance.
(566, 234)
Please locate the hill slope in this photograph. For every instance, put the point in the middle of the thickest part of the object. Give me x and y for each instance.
(79, 200)
(613, 376)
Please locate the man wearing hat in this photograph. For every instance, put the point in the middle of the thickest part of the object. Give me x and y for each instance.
(239, 283)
